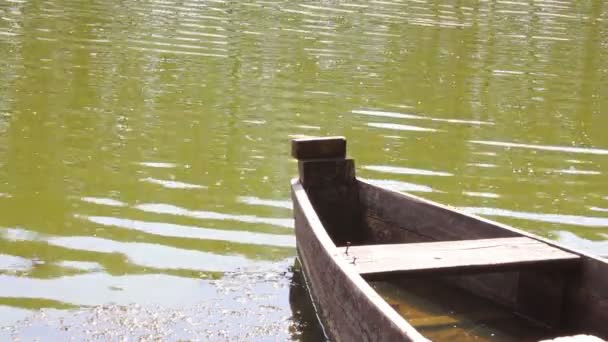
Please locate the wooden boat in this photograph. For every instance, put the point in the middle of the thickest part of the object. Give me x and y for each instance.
(350, 232)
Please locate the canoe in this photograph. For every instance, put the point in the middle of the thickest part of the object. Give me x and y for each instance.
(355, 239)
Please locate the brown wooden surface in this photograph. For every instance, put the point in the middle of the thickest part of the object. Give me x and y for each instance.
(318, 148)
(587, 303)
(331, 186)
(348, 307)
(338, 208)
(498, 287)
(392, 217)
(455, 256)
(541, 294)
(326, 173)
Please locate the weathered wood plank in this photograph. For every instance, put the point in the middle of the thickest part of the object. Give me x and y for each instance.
(318, 148)
(393, 217)
(326, 173)
(587, 302)
(331, 185)
(458, 256)
(332, 188)
(541, 294)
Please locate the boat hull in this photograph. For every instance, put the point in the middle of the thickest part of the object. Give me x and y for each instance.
(333, 210)
(350, 310)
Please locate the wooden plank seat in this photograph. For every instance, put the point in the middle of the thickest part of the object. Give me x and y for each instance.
(484, 255)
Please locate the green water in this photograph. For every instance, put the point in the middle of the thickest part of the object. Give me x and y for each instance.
(144, 144)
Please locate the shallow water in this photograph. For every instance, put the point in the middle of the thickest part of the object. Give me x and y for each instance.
(144, 144)
(446, 313)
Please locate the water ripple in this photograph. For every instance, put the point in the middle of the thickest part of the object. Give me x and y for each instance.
(481, 194)
(543, 147)
(252, 200)
(13, 263)
(399, 127)
(418, 117)
(406, 170)
(100, 100)
(171, 184)
(592, 247)
(200, 54)
(104, 201)
(398, 185)
(159, 165)
(102, 288)
(574, 220)
(158, 256)
(87, 266)
(161, 208)
(182, 231)
(573, 171)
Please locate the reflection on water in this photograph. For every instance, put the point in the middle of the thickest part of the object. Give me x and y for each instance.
(398, 185)
(595, 247)
(147, 140)
(161, 208)
(12, 263)
(307, 326)
(104, 201)
(172, 184)
(417, 117)
(265, 202)
(574, 220)
(239, 306)
(480, 194)
(400, 127)
(405, 170)
(566, 149)
(175, 230)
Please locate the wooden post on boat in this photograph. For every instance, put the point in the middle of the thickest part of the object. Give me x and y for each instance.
(329, 179)
(322, 162)
(319, 148)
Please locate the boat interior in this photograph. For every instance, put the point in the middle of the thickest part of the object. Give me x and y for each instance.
(452, 275)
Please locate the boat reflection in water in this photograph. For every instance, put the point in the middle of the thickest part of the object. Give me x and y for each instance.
(306, 326)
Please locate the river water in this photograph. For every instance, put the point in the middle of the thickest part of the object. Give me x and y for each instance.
(144, 165)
